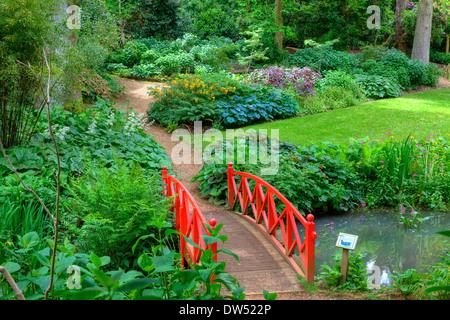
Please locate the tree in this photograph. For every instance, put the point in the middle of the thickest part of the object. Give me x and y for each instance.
(400, 34)
(24, 25)
(122, 9)
(279, 23)
(422, 35)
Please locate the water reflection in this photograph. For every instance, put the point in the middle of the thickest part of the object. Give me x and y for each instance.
(386, 243)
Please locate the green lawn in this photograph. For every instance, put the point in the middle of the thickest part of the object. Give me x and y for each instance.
(418, 114)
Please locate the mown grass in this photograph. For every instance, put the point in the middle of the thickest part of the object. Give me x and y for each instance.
(418, 114)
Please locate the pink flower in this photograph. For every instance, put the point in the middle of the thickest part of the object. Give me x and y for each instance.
(363, 204)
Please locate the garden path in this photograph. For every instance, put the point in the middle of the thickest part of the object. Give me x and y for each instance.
(261, 266)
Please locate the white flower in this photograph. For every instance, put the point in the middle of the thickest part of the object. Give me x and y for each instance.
(57, 131)
(110, 120)
(136, 122)
(91, 129)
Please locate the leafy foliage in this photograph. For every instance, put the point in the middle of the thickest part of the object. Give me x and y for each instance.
(356, 276)
(115, 206)
(246, 110)
(302, 81)
(322, 59)
(376, 87)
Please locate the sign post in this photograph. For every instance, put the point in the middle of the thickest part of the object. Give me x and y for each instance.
(347, 242)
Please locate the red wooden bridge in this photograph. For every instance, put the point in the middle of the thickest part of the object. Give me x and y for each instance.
(274, 242)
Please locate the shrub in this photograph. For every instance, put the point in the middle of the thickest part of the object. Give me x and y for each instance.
(440, 57)
(246, 110)
(357, 273)
(174, 63)
(145, 71)
(193, 97)
(399, 74)
(95, 86)
(116, 205)
(214, 56)
(150, 56)
(341, 80)
(329, 59)
(132, 53)
(419, 73)
(372, 52)
(115, 67)
(375, 87)
(432, 75)
(301, 80)
(330, 98)
(162, 47)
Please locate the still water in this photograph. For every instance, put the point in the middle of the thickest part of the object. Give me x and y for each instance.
(386, 243)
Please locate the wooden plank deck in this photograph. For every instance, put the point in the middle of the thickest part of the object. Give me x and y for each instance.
(260, 266)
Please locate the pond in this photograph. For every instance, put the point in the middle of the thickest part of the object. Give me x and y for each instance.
(386, 243)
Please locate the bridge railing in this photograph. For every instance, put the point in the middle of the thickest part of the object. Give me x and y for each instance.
(267, 219)
(189, 219)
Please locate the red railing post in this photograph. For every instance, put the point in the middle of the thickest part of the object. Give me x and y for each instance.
(230, 174)
(212, 224)
(164, 178)
(267, 219)
(191, 225)
(310, 236)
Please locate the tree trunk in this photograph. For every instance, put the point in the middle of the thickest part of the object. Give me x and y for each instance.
(122, 24)
(447, 45)
(278, 22)
(400, 42)
(422, 35)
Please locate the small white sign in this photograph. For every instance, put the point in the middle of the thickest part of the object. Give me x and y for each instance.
(346, 241)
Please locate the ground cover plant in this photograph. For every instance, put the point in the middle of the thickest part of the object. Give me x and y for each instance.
(218, 100)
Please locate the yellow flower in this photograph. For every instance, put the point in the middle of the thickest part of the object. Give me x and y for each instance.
(7, 243)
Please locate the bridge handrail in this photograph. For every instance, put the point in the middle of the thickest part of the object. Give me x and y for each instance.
(193, 226)
(285, 221)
